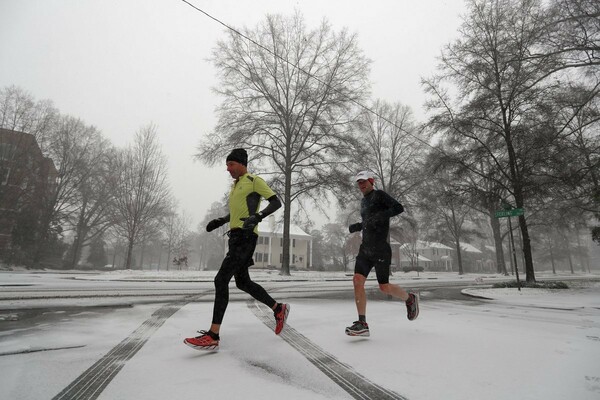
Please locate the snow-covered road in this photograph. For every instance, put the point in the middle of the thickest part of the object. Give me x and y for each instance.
(527, 345)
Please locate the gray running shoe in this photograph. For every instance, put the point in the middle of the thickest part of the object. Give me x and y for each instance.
(412, 306)
(358, 328)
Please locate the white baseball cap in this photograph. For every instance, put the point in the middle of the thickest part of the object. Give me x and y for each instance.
(364, 175)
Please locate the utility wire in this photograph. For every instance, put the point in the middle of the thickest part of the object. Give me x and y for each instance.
(309, 74)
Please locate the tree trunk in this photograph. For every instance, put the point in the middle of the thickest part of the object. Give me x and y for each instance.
(80, 234)
(285, 263)
(552, 261)
(142, 255)
(129, 254)
(459, 258)
(569, 255)
(76, 249)
(517, 183)
(500, 263)
(580, 254)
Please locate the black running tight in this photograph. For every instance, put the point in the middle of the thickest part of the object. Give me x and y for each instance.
(236, 263)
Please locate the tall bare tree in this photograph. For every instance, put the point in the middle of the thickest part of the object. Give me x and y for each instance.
(142, 193)
(506, 70)
(77, 151)
(92, 211)
(390, 145)
(289, 95)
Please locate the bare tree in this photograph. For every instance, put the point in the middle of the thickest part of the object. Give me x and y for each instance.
(211, 247)
(289, 96)
(141, 190)
(334, 245)
(20, 112)
(448, 207)
(176, 234)
(390, 145)
(506, 72)
(182, 238)
(76, 150)
(90, 211)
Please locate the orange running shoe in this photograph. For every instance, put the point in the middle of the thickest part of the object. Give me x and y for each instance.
(281, 317)
(206, 341)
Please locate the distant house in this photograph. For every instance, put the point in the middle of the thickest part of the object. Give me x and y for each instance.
(429, 255)
(472, 257)
(481, 259)
(269, 248)
(27, 178)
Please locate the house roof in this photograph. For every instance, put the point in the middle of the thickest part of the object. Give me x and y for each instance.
(267, 229)
(420, 244)
(435, 245)
(469, 248)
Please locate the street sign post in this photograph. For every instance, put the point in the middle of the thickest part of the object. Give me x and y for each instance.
(507, 213)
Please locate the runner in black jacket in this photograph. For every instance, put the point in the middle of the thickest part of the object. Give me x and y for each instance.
(376, 209)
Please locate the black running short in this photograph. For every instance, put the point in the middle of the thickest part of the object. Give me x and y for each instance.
(380, 258)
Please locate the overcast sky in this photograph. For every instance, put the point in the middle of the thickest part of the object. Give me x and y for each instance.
(120, 65)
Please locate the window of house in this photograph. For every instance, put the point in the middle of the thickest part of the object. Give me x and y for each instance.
(293, 242)
(4, 174)
(281, 258)
(293, 258)
(260, 240)
(7, 151)
(281, 242)
(259, 257)
(266, 257)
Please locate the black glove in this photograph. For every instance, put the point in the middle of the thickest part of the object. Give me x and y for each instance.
(214, 224)
(251, 221)
(355, 227)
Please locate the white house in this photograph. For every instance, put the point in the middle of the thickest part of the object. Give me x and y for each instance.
(269, 247)
(431, 255)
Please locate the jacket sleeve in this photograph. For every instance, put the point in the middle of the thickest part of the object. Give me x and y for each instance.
(392, 206)
(274, 205)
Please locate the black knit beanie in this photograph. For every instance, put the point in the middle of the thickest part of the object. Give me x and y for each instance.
(238, 155)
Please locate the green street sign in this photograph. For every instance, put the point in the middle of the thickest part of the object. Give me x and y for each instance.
(515, 212)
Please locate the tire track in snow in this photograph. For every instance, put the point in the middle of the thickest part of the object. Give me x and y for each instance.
(91, 383)
(358, 386)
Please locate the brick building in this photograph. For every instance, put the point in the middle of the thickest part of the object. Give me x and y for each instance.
(27, 179)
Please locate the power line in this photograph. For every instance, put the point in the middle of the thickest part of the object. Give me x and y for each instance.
(307, 73)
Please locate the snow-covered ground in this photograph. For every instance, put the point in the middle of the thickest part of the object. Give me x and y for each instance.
(532, 344)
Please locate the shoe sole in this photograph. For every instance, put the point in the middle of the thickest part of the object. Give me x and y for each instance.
(285, 316)
(361, 333)
(201, 348)
(416, 308)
